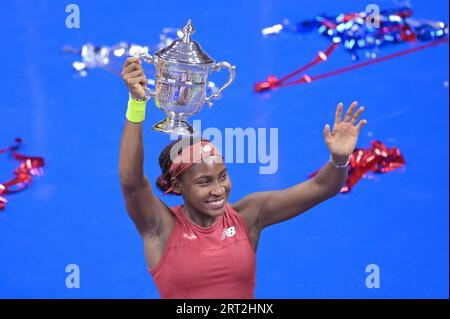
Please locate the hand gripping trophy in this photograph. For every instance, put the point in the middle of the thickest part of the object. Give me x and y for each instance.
(182, 70)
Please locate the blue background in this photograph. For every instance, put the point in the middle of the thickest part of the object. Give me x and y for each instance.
(74, 214)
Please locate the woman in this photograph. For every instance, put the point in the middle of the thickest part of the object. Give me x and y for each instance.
(206, 247)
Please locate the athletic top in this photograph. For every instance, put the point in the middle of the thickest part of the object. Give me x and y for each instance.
(213, 262)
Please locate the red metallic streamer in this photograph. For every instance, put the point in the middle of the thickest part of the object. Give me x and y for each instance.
(377, 159)
(272, 82)
(29, 166)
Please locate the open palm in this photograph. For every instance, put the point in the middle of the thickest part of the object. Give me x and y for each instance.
(342, 140)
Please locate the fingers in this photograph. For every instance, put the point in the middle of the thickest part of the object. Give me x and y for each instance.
(326, 132)
(134, 74)
(338, 116)
(131, 64)
(356, 115)
(131, 60)
(134, 77)
(131, 67)
(361, 124)
(350, 111)
(348, 116)
(138, 80)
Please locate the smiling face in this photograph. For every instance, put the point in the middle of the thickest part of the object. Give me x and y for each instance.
(205, 187)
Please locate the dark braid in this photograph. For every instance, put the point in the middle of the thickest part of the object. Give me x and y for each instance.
(163, 181)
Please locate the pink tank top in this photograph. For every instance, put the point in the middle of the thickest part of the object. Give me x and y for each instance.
(214, 262)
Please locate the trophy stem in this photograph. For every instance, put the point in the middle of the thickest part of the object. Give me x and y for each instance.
(175, 123)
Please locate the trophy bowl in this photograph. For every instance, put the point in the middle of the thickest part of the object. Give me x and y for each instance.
(182, 71)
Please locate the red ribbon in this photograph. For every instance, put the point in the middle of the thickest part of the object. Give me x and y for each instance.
(29, 166)
(378, 159)
(272, 82)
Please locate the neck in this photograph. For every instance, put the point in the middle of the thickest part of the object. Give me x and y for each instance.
(198, 218)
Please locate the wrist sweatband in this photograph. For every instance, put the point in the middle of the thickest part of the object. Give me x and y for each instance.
(136, 111)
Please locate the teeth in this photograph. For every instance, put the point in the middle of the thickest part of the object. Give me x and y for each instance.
(216, 202)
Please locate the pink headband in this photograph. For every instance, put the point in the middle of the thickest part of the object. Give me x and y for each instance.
(189, 156)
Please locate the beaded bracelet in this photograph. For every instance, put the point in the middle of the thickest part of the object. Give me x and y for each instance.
(338, 165)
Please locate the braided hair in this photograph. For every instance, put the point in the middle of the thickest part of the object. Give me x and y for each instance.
(163, 181)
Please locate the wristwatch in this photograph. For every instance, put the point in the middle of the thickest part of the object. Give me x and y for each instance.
(338, 165)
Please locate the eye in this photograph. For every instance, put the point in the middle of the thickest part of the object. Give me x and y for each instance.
(224, 177)
(203, 182)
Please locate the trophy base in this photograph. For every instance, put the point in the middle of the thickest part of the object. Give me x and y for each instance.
(174, 126)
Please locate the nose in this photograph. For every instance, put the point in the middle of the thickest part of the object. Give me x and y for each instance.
(218, 189)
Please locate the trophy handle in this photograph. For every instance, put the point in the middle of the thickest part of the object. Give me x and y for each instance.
(217, 67)
(147, 58)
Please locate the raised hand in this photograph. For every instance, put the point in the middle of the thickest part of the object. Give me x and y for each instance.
(341, 141)
(134, 77)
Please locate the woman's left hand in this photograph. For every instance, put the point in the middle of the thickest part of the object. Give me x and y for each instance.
(342, 140)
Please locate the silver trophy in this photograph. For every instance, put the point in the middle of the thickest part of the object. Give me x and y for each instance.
(182, 70)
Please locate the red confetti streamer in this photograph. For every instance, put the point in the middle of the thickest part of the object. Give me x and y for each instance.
(377, 159)
(272, 82)
(29, 166)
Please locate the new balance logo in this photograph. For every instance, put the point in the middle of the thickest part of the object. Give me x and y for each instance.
(228, 232)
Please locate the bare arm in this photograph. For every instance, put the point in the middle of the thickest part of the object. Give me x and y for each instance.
(263, 209)
(267, 208)
(131, 160)
(145, 209)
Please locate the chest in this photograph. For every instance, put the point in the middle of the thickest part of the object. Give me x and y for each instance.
(191, 266)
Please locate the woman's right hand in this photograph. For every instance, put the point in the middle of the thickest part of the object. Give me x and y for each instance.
(134, 77)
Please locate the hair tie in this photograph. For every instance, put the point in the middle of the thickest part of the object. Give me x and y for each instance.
(164, 182)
